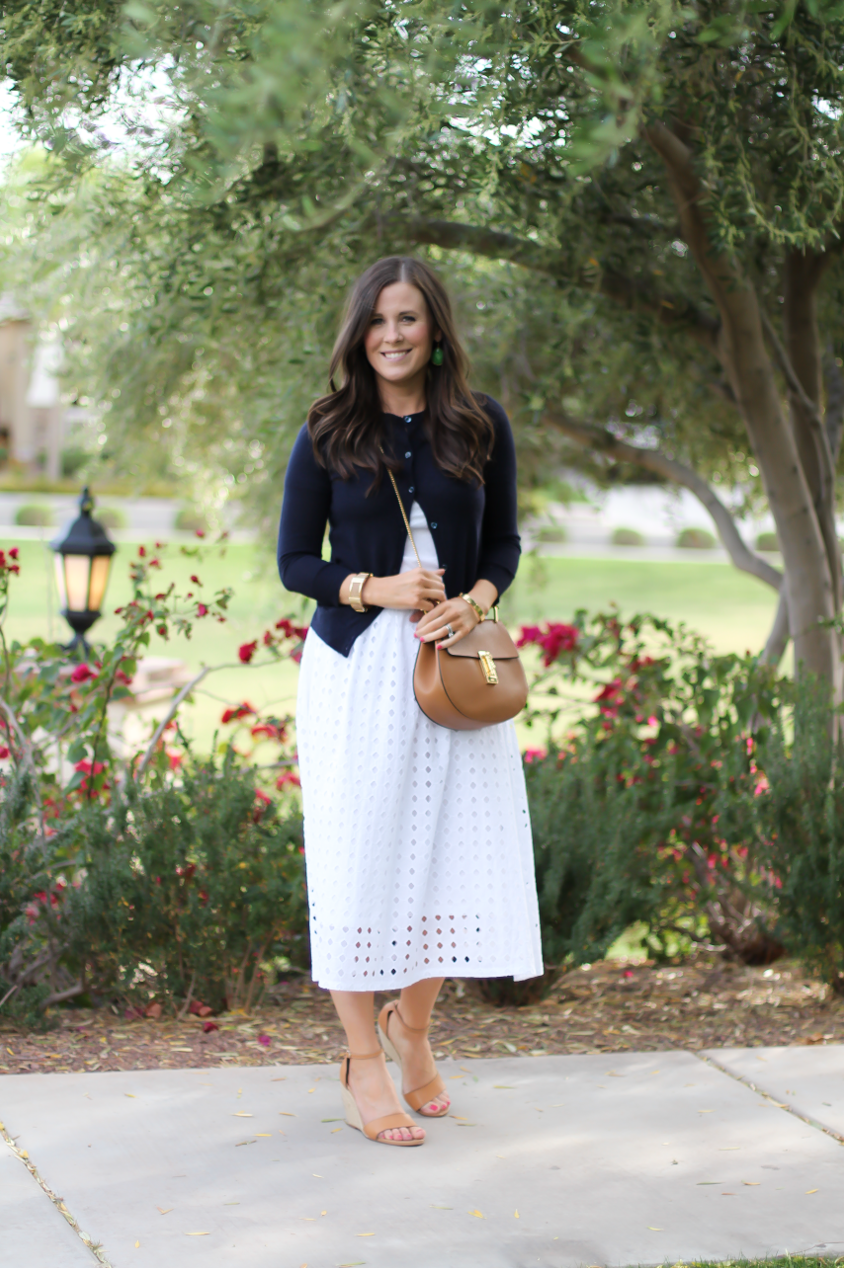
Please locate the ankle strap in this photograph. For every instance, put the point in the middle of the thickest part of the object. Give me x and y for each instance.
(415, 1030)
(365, 1056)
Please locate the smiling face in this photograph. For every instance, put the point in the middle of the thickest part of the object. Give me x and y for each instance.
(400, 336)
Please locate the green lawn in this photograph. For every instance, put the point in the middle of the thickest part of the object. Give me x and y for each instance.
(733, 610)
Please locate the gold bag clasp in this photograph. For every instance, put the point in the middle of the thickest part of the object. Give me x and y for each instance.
(488, 666)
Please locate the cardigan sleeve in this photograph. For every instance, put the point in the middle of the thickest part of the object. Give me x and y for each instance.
(304, 514)
(500, 541)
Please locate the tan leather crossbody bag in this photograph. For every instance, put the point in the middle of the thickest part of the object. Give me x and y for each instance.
(476, 683)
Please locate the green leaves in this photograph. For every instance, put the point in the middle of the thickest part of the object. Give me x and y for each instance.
(647, 810)
(197, 883)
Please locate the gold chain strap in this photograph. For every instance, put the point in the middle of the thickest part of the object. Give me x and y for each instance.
(493, 609)
(403, 514)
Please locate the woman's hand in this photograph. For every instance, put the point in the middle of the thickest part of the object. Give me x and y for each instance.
(418, 590)
(457, 613)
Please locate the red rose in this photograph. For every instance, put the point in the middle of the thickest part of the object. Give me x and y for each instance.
(82, 673)
(247, 650)
(237, 711)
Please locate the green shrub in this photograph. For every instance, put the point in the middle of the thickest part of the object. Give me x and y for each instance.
(593, 880)
(802, 819)
(648, 812)
(33, 516)
(189, 520)
(627, 537)
(73, 459)
(767, 541)
(190, 887)
(696, 539)
(31, 888)
(111, 517)
(4, 454)
(552, 533)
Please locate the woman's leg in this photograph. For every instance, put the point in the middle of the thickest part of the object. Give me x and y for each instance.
(418, 1067)
(371, 1085)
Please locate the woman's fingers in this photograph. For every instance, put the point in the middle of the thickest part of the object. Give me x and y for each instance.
(433, 627)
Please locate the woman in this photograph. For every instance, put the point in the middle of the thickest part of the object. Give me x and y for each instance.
(417, 838)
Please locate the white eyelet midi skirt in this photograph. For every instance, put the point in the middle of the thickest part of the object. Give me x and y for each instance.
(417, 839)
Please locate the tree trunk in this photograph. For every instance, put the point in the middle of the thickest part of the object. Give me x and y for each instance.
(802, 274)
(811, 589)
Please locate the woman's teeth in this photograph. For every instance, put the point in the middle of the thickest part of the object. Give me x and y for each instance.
(394, 356)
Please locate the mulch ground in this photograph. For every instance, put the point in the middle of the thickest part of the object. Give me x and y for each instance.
(608, 1007)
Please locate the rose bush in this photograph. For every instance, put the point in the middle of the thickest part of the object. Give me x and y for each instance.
(645, 805)
(70, 862)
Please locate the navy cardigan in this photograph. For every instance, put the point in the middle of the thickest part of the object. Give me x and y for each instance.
(473, 526)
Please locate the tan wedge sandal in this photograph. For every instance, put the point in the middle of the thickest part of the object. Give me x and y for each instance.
(374, 1128)
(421, 1095)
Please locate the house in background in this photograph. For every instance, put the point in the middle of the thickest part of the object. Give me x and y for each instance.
(33, 419)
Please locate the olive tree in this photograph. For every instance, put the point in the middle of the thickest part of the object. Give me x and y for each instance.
(675, 171)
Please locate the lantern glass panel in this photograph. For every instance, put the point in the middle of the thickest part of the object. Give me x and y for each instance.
(77, 570)
(58, 562)
(100, 565)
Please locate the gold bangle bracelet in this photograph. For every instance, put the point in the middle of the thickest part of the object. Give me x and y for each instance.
(473, 603)
(356, 590)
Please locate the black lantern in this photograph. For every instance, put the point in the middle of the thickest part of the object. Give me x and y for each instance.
(83, 562)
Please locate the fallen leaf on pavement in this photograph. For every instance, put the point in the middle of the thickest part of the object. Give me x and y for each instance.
(163, 1210)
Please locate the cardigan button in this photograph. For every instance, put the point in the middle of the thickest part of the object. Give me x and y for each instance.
(408, 454)
(410, 490)
(434, 525)
(408, 419)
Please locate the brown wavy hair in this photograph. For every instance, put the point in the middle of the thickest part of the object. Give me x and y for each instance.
(346, 425)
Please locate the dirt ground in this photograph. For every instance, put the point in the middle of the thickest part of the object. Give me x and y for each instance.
(608, 1007)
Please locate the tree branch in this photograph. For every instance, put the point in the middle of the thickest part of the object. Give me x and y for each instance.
(825, 495)
(630, 292)
(168, 718)
(678, 473)
(834, 381)
(780, 633)
(29, 761)
(808, 406)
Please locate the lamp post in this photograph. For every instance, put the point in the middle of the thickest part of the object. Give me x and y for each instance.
(83, 562)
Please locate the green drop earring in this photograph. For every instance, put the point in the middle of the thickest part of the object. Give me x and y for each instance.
(437, 355)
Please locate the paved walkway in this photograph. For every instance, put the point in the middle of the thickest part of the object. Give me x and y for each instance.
(550, 1161)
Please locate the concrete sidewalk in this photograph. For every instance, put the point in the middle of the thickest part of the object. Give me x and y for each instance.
(553, 1161)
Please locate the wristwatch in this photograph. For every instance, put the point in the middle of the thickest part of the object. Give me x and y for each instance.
(355, 589)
